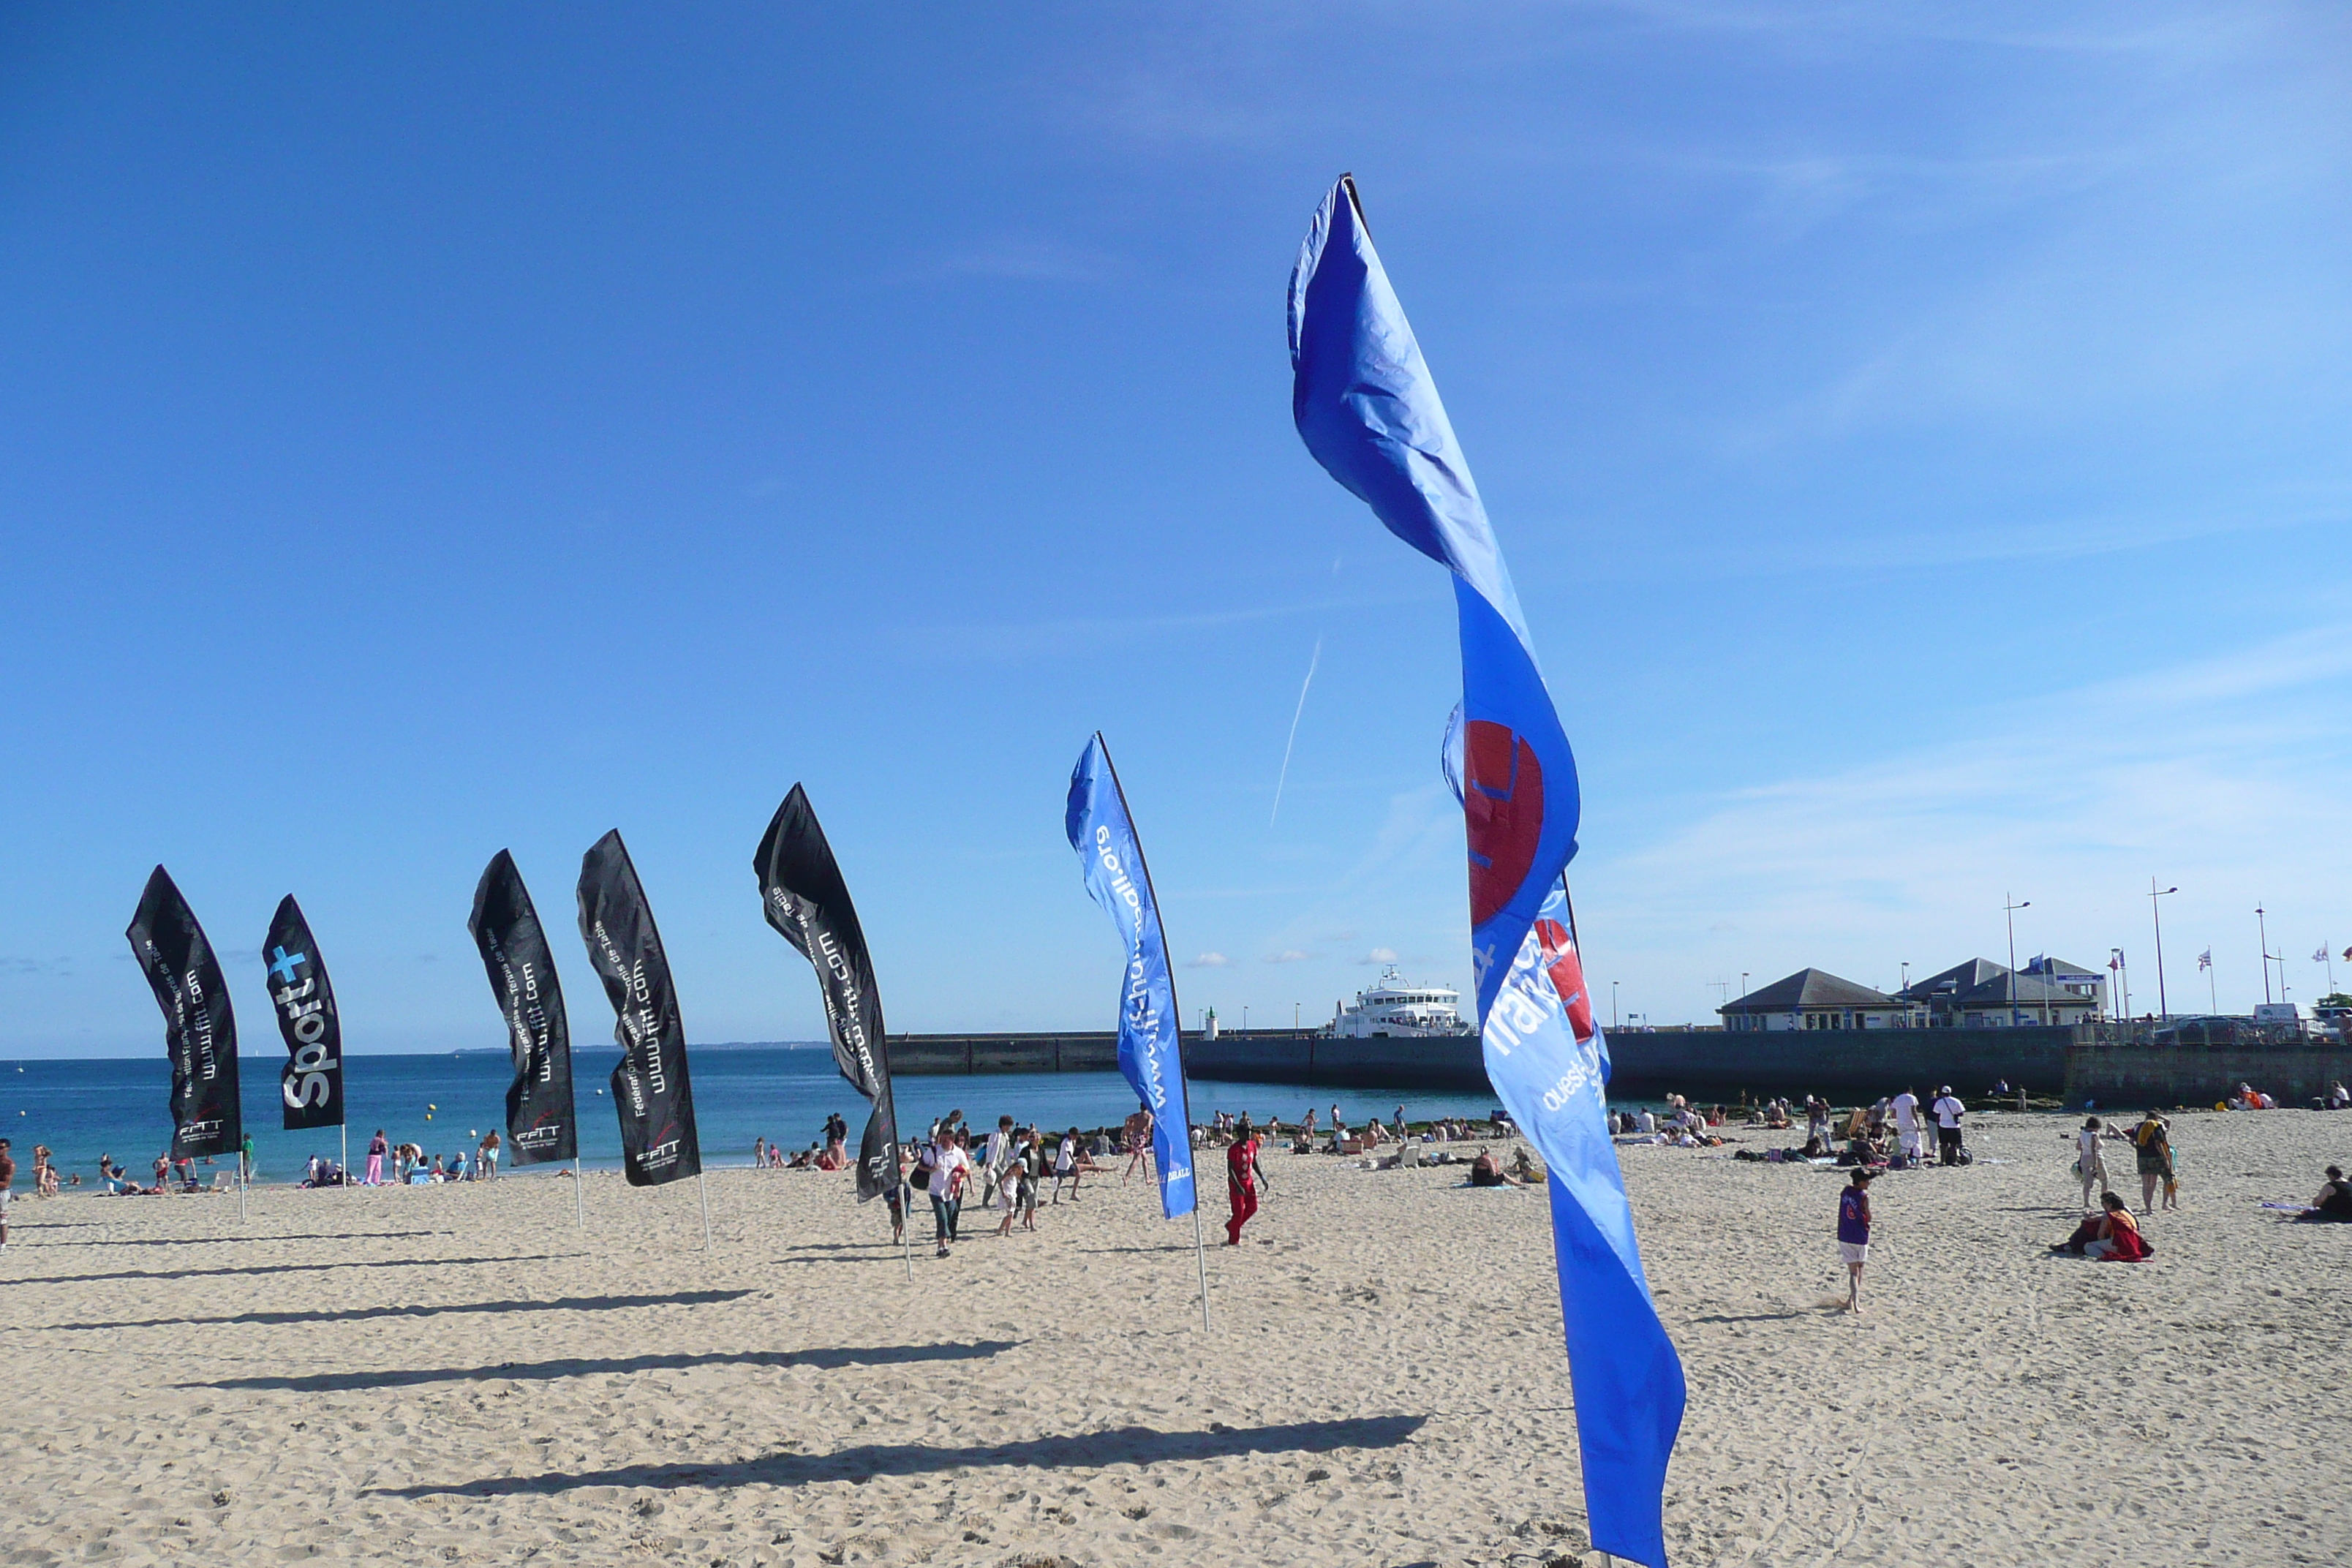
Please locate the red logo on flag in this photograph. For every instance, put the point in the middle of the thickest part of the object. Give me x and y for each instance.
(1567, 972)
(1502, 804)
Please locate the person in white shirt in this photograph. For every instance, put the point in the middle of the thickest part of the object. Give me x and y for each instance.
(1907, 1124)
(1948, 1112)
(947, 1166)
(1066, 1165)
(1646, 1123)
(998, 1155)
(2088, 1164)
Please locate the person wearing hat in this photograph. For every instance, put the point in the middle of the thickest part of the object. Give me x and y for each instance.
(1948, 1112)
(1853, 1235)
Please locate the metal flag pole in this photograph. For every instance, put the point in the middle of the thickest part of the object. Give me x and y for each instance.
(344, 1130)
(579, 1200)
(1200, 1248)
(702, 1187)
(243, 1181)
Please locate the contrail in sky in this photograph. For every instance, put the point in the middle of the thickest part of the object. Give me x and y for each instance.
(1316, 659)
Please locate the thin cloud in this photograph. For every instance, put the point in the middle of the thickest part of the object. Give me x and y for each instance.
(1379, 955)
(1029, 258)
(1210, 961)
(1289, 955)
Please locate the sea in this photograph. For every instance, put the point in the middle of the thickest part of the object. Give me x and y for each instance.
(120, 1106)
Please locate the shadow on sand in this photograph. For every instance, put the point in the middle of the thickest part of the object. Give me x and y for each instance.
(1120, 1446)
(241, 1240)
(295, 1267)
(367, 1315)
(543, 1370)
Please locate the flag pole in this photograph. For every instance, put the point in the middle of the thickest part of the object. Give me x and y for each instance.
(1199, 1248)
(344, 1130)
(243, 1181)
(702, 1187)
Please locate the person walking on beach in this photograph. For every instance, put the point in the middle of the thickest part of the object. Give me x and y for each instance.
(2152, 1153)
(1242, 1179)
(1139, 1141)
(7, 1179)
(1029, 1171)
(946, 1165)
(1853, 1236)
(377, 1150)
(485, 1157)
(1948, 1112)
(2087, 1162)
(1066, 1165)
(994, 1159)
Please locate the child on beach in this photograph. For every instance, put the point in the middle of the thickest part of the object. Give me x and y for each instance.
(2087, 1162)
(1853, 1235)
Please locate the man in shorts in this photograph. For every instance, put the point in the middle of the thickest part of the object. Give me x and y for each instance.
(7, 1176)
(1853, 1235)
(1139, 1141)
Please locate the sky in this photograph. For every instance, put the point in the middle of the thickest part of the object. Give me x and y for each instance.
(1918, 433)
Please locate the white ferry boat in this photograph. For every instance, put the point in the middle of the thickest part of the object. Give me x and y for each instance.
(1394, 1010)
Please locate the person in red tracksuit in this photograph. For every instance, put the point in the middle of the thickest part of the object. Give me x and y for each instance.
(1242, 1179)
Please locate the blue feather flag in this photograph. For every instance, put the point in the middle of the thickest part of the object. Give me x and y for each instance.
(1368, 412)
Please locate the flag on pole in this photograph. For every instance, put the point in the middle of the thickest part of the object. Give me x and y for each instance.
(651, 1092)
(2205, 959)
(541, 1117)
(1150, 1049)
(806, 900)
(311, 1081)
(2321, 955)
(2117, 962)
(199, 1026)
(1368, 412)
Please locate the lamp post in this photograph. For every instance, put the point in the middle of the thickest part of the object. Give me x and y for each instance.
(2010, 911)
(2123, 985)
(1743, 998)
(1613, 1006)
(2262, 926)
(2154, 893)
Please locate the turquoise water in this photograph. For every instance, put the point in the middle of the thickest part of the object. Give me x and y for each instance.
(117, 1106)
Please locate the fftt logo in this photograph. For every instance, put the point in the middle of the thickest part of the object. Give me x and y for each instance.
(1503, 807)
(1567, 972)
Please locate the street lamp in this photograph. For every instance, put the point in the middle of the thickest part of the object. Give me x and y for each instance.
(2010, 911)
(2154, 893)
(1613, 1006)
(2123, 983)
(2262, 926)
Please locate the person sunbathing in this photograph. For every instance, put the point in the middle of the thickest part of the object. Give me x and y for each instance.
(2334, 1200)
(1486, 1171)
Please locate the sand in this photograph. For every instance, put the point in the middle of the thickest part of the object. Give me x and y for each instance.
(459, 1375)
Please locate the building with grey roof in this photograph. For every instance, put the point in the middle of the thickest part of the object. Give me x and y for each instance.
(1982, 994)
(1816, 999)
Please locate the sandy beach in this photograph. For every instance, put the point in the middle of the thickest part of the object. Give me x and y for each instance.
(461, 1375)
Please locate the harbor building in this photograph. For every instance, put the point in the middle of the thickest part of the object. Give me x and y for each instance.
(1816, 999)
(1982, 994)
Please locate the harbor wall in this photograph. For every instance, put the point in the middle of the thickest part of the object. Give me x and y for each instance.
(1714, 1064)
(2079, 1063)
(2132, 1076)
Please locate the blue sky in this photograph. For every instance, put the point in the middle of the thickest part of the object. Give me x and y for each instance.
(1918, 433)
